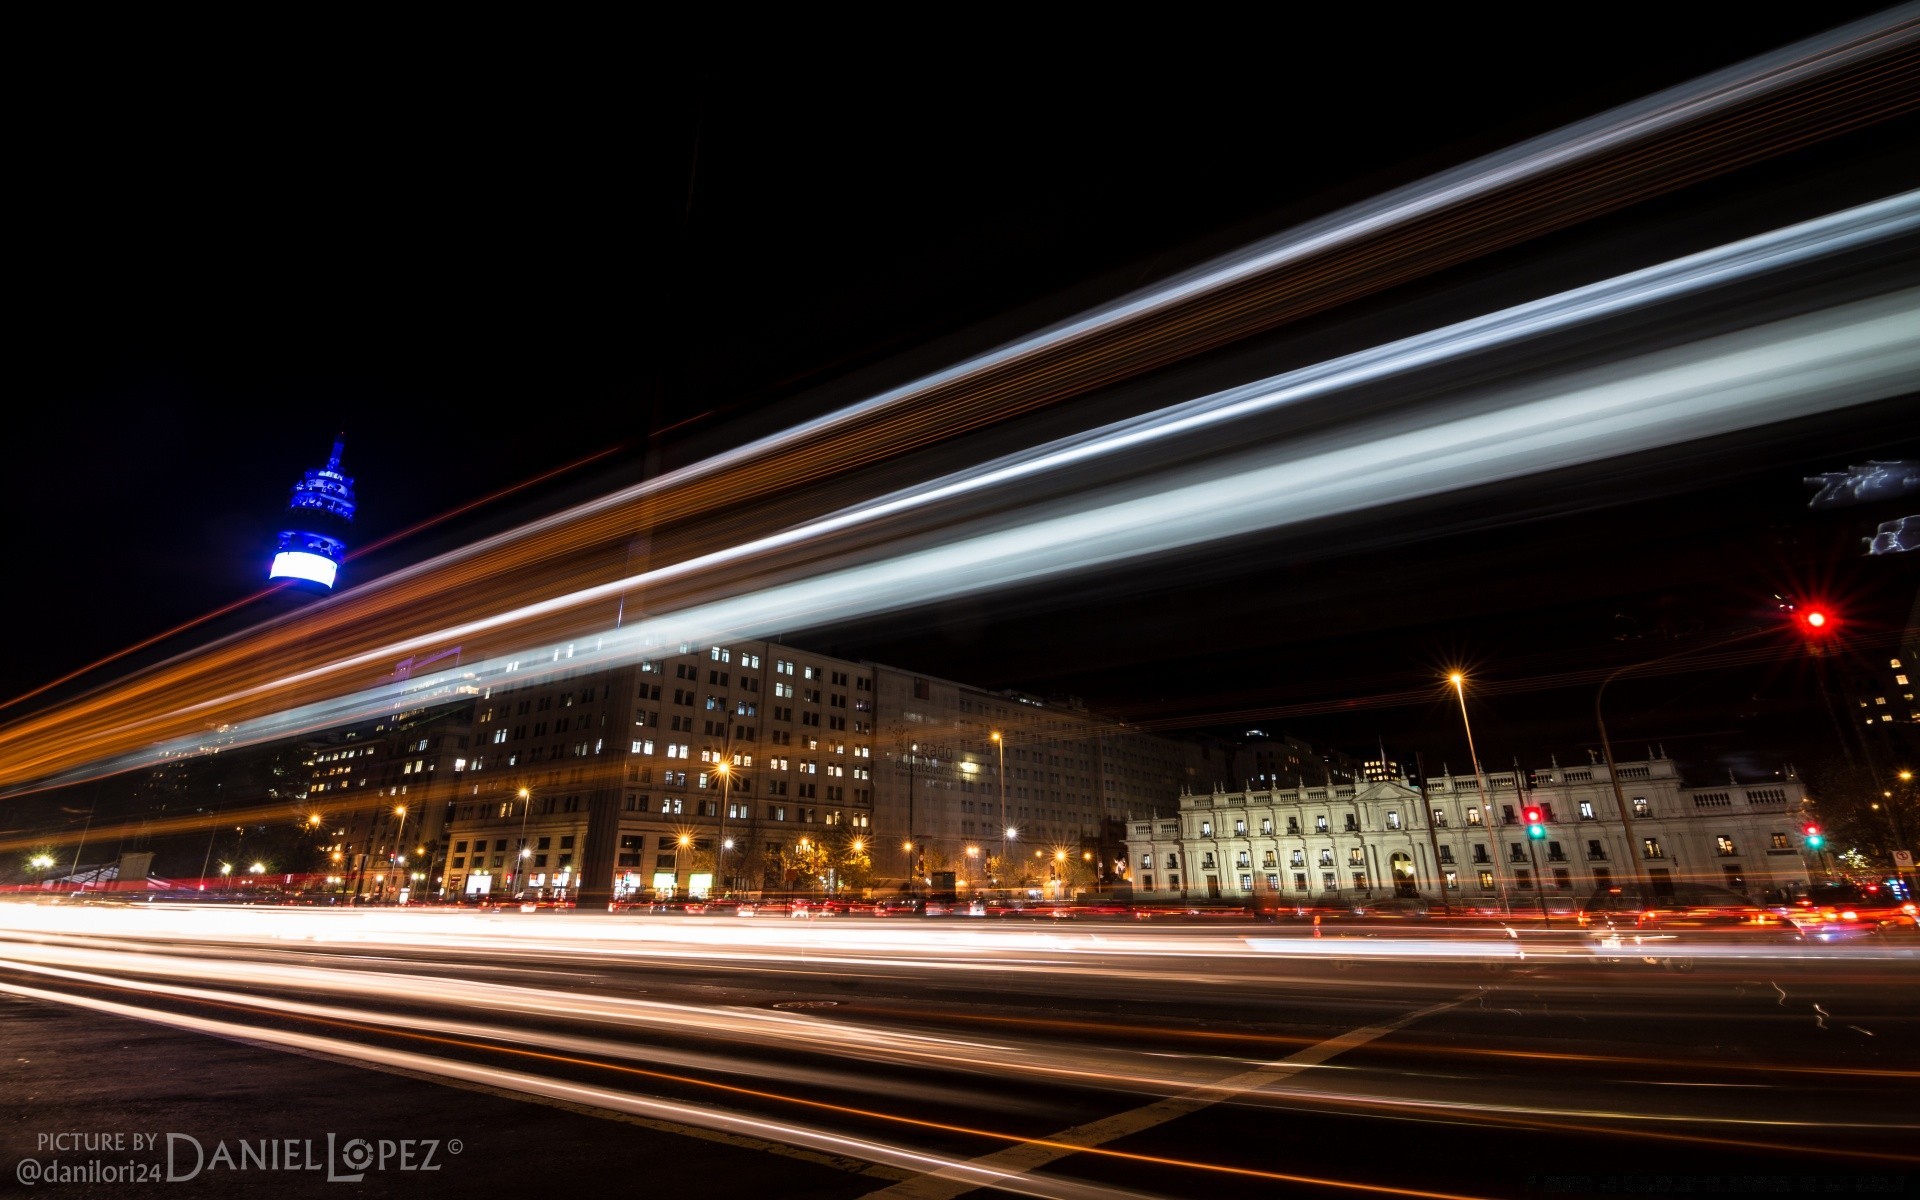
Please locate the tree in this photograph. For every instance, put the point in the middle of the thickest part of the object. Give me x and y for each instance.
(1864, 818)
(852, 862)
(806, 862)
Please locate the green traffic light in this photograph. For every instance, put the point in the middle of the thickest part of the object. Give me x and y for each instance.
(1536, 832)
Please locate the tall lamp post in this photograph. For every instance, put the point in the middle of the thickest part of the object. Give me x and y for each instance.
(913, 881)
(396, 858)
(1000, 746)
(1893, 821)
(725, 771)
(1480, 785)
(1606, 747)
(520, 857)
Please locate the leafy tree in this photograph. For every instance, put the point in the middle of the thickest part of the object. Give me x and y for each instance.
(1865, 818)
(852, 861)
(807, 861)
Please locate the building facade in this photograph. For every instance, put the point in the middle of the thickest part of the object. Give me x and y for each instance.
(1464, 838)
(754, 766)
(1003, 788)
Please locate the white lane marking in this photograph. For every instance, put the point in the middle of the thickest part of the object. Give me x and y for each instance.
(1019, 1160)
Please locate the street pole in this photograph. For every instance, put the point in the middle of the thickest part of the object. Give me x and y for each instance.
(1634, 855)
(913, 883)
(83, 843)
(1433, 833)
(1000, 745)
(208, 860)
(520, 852)
(393, 861)
(1480, 786)
(1539, 883)
(720, 843)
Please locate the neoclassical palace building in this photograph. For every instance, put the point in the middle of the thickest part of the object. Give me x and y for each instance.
(1465, 838)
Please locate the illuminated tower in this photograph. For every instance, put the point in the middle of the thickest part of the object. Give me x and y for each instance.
(318, 518)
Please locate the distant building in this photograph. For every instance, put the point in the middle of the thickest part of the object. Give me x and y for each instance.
(1071, 778)
(1879, 693)
(383, 792)
(1357, 840)
(614, 774)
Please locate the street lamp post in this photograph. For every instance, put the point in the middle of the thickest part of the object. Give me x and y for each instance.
(725, 771)
(913, 881)
(520, 861)
(1634, 854)
(1000, 747)
(1893, 821)
(208, 860)
(399, 838)
(1480, 785)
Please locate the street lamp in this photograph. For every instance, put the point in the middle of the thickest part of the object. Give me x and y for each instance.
(725, 771)
(1480, 785)
(1893, 820)
(913, 881)
(520, 863)
(1000, 747)
(400, 810)
(1606, 746)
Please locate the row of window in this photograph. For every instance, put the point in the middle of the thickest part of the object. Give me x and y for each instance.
(1322, 823)
(1650, 848)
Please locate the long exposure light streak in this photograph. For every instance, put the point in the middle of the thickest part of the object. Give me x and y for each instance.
(1849, 354)
(72, 956)
(1807, 92)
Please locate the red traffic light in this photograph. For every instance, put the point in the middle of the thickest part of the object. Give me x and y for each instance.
(1534, 816)
(1815, 621)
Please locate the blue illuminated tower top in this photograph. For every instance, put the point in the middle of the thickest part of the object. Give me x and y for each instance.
(319, 516)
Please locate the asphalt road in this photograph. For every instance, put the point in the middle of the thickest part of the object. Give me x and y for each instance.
(445, 1053)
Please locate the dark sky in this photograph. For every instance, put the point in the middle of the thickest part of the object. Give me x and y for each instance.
(488, 255)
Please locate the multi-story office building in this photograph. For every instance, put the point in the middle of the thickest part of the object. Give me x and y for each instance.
(625, 774)
(621, 770)
(382, 792)
(1050, 790)
(1357, 840)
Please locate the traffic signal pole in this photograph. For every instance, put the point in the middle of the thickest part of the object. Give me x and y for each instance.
(1536, 829)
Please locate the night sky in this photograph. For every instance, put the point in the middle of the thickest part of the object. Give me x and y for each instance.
(485, 259)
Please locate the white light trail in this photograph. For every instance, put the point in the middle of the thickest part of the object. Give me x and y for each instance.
(1846, 355)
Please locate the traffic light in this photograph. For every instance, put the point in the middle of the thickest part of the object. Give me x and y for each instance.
(1536, 819)
(1815, 621)
(1815, 839)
